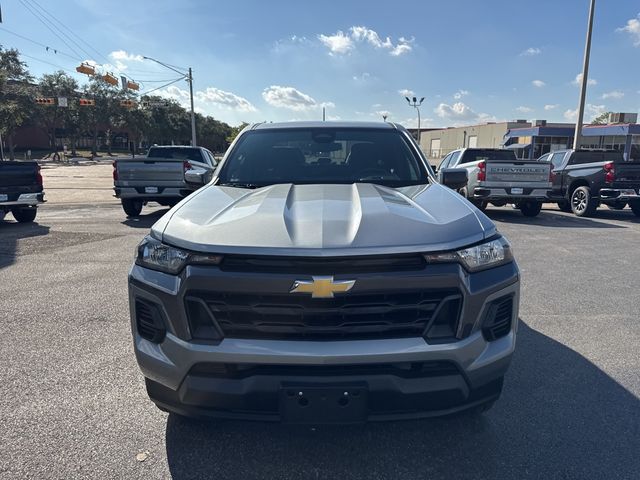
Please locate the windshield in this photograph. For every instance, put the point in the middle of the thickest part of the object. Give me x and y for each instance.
(322, 155)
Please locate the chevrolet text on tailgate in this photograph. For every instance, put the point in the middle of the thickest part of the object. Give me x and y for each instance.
(324, 275)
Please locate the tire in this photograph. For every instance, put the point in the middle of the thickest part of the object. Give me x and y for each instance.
(530, 208)
(24, 215)
(132, 207)
(635, 208)
(617, 205)
(564, 206)
(582, 203)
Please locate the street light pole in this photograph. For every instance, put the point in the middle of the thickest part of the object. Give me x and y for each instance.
(577, 140)
(416, 104)
(193, 114)
(189, 77)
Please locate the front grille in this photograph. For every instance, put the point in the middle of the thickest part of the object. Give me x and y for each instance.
(322, 266)
(403, 370)
(497, 321)
(348, 317)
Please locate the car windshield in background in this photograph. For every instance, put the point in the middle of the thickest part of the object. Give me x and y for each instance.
(478, 155)
(177, 153)
(322, 155)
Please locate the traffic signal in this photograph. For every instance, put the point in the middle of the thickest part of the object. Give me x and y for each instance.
(110, 79)
(128, 103)
(87, 102)
(45, 101)
(133, 85)
(86, 69)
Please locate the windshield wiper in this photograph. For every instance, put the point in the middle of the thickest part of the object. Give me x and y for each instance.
(239, 185)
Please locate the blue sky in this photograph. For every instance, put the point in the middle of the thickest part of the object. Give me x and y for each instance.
(473, 61)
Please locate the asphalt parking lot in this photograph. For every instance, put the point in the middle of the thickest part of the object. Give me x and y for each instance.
(73, 403)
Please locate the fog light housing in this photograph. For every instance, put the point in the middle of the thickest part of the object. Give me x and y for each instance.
(202, 324)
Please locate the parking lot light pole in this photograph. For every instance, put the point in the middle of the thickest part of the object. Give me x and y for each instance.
(416, 104)
(189, 78)
(577, 137)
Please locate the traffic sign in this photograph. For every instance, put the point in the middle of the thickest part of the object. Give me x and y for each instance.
(62, 102)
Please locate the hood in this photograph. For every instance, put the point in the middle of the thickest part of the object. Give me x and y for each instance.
(323, 220)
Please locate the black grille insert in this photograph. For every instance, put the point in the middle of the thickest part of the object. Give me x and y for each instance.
(497, 322)
(322, 266)
(149, 321)
(404, 370)
(347, 317)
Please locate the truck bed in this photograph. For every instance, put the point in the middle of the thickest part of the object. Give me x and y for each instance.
(160, 172)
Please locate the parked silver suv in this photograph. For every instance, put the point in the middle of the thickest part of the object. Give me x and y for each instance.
(324, 275)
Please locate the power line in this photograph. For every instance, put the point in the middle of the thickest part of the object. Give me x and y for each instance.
(165, 85)
(52, 30)
(65, 29)
(46, 47)
(62, 30)
(49, 63)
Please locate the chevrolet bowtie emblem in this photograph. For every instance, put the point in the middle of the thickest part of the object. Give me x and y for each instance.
(322, 287)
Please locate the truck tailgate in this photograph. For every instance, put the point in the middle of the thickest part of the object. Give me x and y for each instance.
(627, 175)
(517, 172)
(19, 176)
(156, 171)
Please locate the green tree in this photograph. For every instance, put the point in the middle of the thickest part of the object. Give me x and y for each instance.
(16, 96)
(601, 119)
(235, 131)
(57, 84)
(106, 112)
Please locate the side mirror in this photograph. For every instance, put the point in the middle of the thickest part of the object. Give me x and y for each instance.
(454, 178)
(434, 167)
(195, 177)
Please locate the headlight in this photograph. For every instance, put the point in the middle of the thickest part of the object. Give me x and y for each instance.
(153, 254)
(486, 255)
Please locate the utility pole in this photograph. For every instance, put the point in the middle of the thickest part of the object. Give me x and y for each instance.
(189, 77)
(193, 114)
(416, 104)
(577, 138)
(1, 149)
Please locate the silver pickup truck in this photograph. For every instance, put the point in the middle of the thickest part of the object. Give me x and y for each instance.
(496, 176)
(160, 176)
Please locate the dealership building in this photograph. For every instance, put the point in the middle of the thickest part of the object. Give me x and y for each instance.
(530, 140)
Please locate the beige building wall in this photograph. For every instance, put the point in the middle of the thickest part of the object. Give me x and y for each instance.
(437, 143)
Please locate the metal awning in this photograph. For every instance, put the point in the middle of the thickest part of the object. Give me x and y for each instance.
(517, 146)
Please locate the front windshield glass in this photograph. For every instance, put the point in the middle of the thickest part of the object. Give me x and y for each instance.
(322, 155)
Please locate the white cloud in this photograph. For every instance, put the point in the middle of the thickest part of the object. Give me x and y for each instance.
(523, 109)
(338, 43)
(125, 56)
(530, 52)
(616, 94)
(633, 29)
(291, 98)
(210, 97)
(460, 113)
(538, 83)
(578, 81)
(460, 93)
(225, 99)
(362, 77)
(341, 43)
(551, 107)
(590, 111)
(405, 92)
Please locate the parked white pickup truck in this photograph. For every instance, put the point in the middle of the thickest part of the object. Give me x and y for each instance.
(496, 176)
(160, 176)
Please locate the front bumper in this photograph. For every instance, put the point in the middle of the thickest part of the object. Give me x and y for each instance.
(194, 378)
(25, 200)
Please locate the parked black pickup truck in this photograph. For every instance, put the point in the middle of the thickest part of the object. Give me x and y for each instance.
(584, 179)
(21, 190)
